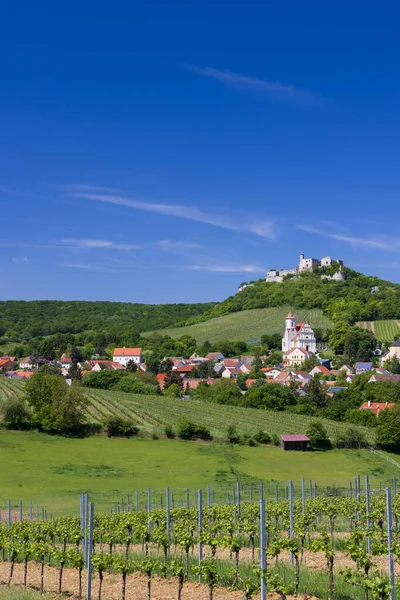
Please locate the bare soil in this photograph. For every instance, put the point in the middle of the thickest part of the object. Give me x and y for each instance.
(136, 588)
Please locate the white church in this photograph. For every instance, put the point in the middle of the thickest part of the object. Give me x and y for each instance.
(298, 335)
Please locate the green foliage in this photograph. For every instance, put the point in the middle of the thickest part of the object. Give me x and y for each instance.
(173, 390)
(55, 405)
(316, 393)
(318, 435)
(187, 430)
(388, 429)
(351, 438)
(271, 396)
(118, 427)
(169, 432)
(16, 414)
(358, 345)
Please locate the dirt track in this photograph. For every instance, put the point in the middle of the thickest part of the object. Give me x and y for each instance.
(162, 589)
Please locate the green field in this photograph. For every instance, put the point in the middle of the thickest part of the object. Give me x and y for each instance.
(385, 331)
(247, 325)
(53, 471)
(153, 413)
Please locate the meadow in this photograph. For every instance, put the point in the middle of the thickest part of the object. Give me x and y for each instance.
(53, 471)
(246, 325)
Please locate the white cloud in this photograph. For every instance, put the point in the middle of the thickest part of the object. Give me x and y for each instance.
(24, 259)
(93, 243)
(87, 267)
(246, 83)
(170, 245)
(224, 268)
(191, 213)
(379, 243)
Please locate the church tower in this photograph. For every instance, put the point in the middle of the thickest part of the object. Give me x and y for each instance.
(290, 332)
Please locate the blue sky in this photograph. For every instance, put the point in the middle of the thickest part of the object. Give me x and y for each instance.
(168, 151)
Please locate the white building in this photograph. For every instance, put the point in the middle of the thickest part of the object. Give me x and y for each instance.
(307, 264)
(298, 335)
(125, 355)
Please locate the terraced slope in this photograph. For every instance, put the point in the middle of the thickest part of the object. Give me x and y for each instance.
(247, 325)
(385, 330)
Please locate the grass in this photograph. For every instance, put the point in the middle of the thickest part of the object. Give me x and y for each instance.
(247, 326)
(53, 471)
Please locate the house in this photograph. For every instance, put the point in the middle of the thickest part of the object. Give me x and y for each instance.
(319, 370)
(296, 356)
(334, 390)
(363, 367)
(160, 378)
(375, 407)
(192, 383)
(185, 369)
(295, 442)
(214, 356)
(347, 369)
(231, 372)
(104, 365)
(270, 372)
(394, 351)
(249, 382)
(298, 335)
(125, 355)
(26, 363)
(392, 378)
(65, 362)
(25, 374)
(6, 364)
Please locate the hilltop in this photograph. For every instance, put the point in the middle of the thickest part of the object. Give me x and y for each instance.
(258, 309)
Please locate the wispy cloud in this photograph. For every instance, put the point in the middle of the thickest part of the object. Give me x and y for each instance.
(172, 246)
(24, 259)
(378, 242)
(191, 213)
(88, 267)
(246, 83)
(224, 268)
(94, 243)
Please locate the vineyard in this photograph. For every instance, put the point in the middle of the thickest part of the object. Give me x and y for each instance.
(153, 413)
(338, 547)
(385, 330)
(247, 325)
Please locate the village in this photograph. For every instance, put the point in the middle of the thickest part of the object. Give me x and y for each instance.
(299, 348)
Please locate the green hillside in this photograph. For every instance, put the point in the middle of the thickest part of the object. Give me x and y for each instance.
(247, 326)
(153, 413)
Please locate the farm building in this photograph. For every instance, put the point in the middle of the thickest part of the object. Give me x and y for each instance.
(295, 442)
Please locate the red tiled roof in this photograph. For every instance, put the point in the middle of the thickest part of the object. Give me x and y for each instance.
(376, 407)
(160, 378)
(193, 382)
(295, 438)
(185, 368)
(323, 370)
(127, 351)
(230, 362)
(249, 382)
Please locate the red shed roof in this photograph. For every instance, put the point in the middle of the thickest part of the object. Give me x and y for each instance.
(295, 438)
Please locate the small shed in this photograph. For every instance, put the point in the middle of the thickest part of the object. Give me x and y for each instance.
(295, 442)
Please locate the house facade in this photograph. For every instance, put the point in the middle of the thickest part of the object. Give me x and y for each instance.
(295, 357)
(124, 355)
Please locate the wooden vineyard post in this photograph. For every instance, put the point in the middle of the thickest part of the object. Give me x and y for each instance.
(238, 498)
(303, 495)
(263, 560)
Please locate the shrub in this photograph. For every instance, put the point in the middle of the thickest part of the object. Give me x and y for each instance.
(190, 431)
(169, 432)
(232, 435)
(16, 414)
(117, 427)
(318, 435)
(173, 390)
(262, 437)
(351, 438)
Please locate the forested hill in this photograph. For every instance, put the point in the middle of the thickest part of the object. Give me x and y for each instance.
(24, 320)
(355, 299)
